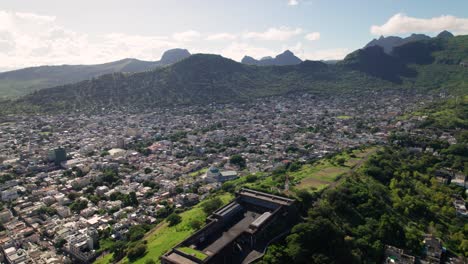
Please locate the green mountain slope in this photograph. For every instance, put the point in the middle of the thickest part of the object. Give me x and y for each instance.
(203, 79)
(199, 79)
(21, 82)
(426, 64)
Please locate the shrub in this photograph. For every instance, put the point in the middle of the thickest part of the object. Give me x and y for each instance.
(136, 252)
(211, 205)
(173, 219)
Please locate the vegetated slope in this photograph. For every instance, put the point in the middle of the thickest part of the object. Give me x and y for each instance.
(390, 42)
(430, 63)
(21, 82)
(374, 61)
(394, 199)
(204, 79)
(199, 79)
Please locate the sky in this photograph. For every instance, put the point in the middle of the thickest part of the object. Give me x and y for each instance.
(54, 32)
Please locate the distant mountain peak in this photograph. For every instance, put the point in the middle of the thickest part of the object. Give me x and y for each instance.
(285, 58)
(248, 60)
(266, 58)
(445, 34)
(390, 42)
(174, 55)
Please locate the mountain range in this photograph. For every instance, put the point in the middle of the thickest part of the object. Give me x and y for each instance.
(23, 81)
(389, 43)
(203, 79)
(285, 58)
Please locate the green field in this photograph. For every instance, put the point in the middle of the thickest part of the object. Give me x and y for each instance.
(344, 117)
(323, 172)
(198, 172)
(163, 237)
(104, 259)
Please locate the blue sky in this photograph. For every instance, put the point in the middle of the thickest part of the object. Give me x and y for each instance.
(38, 32)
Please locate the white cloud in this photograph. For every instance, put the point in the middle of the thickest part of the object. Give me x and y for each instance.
(313, 36)
(221, 36)
(401, 24)
(280, 34)
(187, 36)
(293, 2)
(238, 50)
(28, 39)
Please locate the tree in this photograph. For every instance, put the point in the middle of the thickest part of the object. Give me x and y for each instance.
(136, 233)
(60, 243)
(295, 166)
(133, 199)
(341, 161)
(238, 160)
(78, 205)
(228, 187)
(136, 252)
(118, 250)
(251, 178)
(173, 219)
(211, 205)
(196, 224)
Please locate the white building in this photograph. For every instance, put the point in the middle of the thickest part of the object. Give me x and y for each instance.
(213, 174)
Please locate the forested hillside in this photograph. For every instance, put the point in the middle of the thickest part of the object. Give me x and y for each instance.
(24, 81)
(393, 199)
(202, 79)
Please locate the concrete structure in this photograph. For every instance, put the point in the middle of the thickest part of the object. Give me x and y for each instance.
(5, 215)
(213, 174)
(16, 256)
(9, 195)
(235, 230)
(81, 245)
(117, 152)
(433, 250)
(58, 156)
(397, 255)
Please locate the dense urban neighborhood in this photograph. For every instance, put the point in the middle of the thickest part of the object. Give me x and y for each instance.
(280, 137)
(70, 181)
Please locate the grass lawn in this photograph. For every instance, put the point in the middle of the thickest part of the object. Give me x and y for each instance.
(198, 172)
(326, 171)
(104, 260)
(163, 237)
(344, 117)
(193, 252)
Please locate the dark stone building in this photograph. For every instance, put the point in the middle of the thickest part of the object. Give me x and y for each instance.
(238, 232)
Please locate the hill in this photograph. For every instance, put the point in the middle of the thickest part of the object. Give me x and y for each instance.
(432, 63)
(285, 58)
(21, 82)
(394, 198)
(199, 79)
(204, 79)
(374, 61)
(389, 43)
